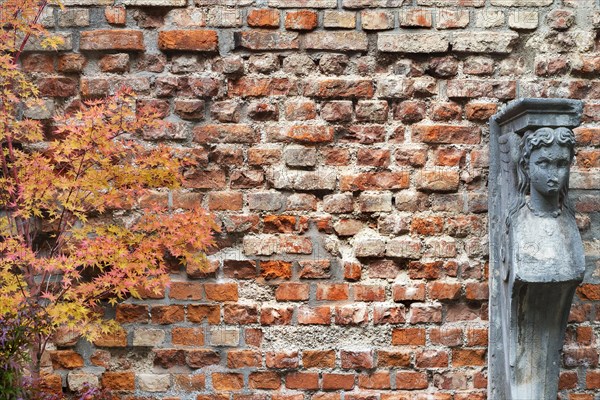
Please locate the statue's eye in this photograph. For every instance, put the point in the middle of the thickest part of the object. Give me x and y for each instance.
(542, 163)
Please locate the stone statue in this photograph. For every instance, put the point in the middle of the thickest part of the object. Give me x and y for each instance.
(536, 252)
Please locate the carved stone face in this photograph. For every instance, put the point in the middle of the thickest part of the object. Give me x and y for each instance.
(549, 168)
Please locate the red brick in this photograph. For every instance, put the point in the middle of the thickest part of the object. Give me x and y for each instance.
(408, 336)
(587, 136)
(302, 380)
(303, 20)
(189, 382)
(337, 381)
(356, 359)
(468, 357)
(373, 157)
(185, 291)
(115, 15)
(282, 360)
(375, 181)
(57, 86)
(446, 112)
(113, 39)
(411, 380)
(589, 291)
(592, 379)
(263, 18)
(438, 180)
(450, 157)
(200, 312)
(168, 358)
(258, 87)
(447, 134)
(315, 269)
(376, 380)
(71, 62)
(351, 314)
(425, 313)
(408, 292)
(239, 269)
(165, 315)
(187, 336)
(188, 40)
(568, 380)
(318, 358)
(477, 291)
(65, 359)
(480, 111)
(118, 338)
(368, 293)
(388, 314)
(227, 381)
(431, 359)
(320, 315)
(310, 134)
(242, 314)
(477, 337)
(276, 315)
(229, 200)
(393, 358)
(268, 380)
(221, 291)
(444, 291)
(122, 381)
(127, 313)
(274, 269)
(352, 271)
(38, 63)
(243, 358)
(201, 358)
(333, 292)
(446, 336)
(339, 87)
(292, 292)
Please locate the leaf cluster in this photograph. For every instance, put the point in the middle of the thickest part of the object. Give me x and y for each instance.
(72, 235)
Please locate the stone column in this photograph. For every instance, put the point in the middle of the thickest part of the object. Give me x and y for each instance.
(537, 257)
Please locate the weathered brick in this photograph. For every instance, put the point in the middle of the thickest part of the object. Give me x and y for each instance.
(452, 19)
(412, 42)
(447, 134)
(303, 20)
(339, 19)
(303, 3)
(302, 380)
(122, 381)
(416, 18)
(320, 315)
(200, 312)
(225, 133)
(263, 18)
(372, 3)
(188, 40)
(375, 181)
(484, 42)
(276, 315)
(336, 381)
(356, 359)
(334, 40)
(503, 90)
(115, 40)
(376, 20)
(265, 40)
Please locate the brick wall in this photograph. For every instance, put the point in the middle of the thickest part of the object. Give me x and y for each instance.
(343, 146)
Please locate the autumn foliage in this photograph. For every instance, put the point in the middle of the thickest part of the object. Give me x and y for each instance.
(73, 236)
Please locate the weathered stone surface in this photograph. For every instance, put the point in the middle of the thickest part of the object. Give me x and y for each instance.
(484, 42)
(342, 41)
(412, 42)
(323, 179)
(154, 382)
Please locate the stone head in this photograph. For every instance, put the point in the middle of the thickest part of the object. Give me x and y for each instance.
(545, 163)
